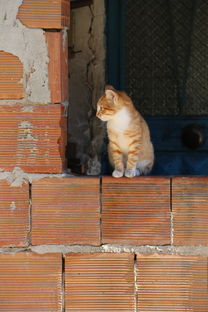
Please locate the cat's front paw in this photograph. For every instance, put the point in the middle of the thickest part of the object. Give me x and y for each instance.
(117, 174)
(130, 173)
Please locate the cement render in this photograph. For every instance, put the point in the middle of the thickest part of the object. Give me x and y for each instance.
(159, 250)
(31, 48)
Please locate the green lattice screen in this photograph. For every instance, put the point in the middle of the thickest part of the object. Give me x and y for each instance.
(166, 56)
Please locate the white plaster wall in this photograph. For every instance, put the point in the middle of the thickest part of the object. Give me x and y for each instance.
(31, 48)
(86, 84)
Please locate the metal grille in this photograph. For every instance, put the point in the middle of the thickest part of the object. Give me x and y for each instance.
(197, 83)
(166, 56)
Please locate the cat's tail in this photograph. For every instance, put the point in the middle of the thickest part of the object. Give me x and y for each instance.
(144, 167)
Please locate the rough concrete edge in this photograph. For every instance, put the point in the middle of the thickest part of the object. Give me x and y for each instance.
(18, 177)
(161, 250)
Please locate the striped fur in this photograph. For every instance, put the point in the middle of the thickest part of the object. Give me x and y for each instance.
(130, 149)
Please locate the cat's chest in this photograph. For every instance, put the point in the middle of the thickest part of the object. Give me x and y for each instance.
(121, 121)
(118, 127)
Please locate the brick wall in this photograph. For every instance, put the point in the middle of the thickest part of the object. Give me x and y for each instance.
(83, 243)
(91, 244)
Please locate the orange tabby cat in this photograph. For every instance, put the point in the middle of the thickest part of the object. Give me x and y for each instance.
(130, 149)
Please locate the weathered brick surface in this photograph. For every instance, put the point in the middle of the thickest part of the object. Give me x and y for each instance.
(32, 138)
(45, 13)
(14, 215)
(11, 74)
(66, 211)
(136, 211)
(58, 66)
(30, 282)
(99, 282)
(172, 283)
(190, 211)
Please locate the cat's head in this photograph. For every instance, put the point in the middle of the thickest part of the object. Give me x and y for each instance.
(110, 103)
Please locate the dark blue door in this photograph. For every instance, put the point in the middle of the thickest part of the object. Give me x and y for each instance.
(158, 53)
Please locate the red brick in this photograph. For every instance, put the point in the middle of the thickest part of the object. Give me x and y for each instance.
(30, 282)
(99, 282)
(136, 211)
(14, 215)
(32, 138)
(45, 13)
(11, 74)
(58, 66)
(172, 283)
(190, 211)
(66, 211)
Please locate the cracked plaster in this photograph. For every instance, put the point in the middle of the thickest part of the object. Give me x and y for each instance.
(31, 48)
(87, 79)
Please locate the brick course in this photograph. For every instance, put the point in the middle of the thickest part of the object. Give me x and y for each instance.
(103, 282)
(76, 210)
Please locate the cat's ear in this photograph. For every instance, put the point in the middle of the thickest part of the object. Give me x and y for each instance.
(110, 93)
(109, 87)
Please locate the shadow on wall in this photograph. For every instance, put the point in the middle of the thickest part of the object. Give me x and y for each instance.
(86, 84)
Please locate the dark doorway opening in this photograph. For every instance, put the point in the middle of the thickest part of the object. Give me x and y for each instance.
(157, 52)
